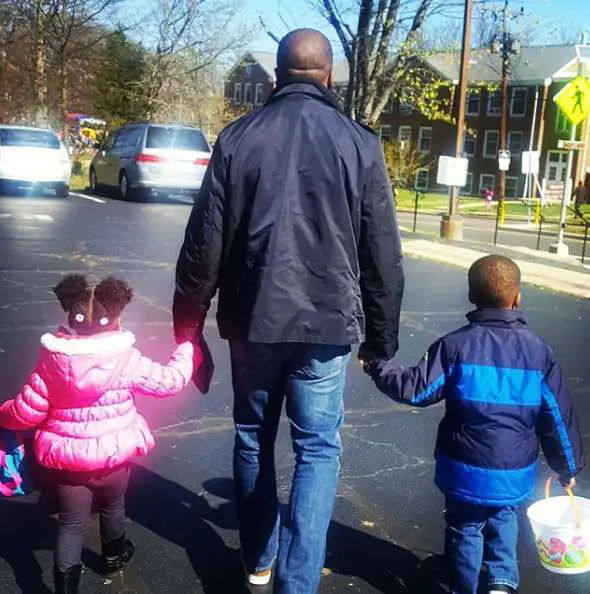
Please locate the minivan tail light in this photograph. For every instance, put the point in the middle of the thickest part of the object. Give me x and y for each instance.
(146, 158)
(204, 161)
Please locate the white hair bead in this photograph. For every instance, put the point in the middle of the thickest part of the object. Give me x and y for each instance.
(104, 321)
(79, 318)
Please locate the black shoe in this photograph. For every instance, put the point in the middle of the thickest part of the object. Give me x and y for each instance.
(501, 588)
(67, 582)
(116, 554)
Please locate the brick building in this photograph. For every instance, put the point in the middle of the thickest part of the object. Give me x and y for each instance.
(537, 74)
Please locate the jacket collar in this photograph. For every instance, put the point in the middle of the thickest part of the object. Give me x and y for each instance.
(306, 86)
(498, 317)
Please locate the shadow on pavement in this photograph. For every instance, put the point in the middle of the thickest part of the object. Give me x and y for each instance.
(184, 518)
(387, 567)
(26, 528)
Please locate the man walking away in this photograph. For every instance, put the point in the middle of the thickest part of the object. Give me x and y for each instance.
(295, 225)
(579, 196)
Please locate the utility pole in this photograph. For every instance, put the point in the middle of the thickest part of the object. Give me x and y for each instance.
(452, 225)
(504, 106)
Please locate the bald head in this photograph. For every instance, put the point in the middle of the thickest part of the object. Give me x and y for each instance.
(307, 53)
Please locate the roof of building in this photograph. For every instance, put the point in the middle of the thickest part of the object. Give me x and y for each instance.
(532, 65)
(268, 62)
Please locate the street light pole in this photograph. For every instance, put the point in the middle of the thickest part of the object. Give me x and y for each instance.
(452, 224)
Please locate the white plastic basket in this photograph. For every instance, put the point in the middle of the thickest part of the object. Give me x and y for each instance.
(562, 532)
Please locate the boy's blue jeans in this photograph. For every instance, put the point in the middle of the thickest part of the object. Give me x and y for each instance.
(310, 379)
(479, 534)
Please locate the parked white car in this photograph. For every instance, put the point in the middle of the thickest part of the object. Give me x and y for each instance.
(33, 158)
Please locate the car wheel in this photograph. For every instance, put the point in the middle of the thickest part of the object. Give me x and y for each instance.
(93, 181)
(125, 192)
(62, 190)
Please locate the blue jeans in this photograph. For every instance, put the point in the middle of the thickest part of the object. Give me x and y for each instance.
(310, 378)
(477, 534)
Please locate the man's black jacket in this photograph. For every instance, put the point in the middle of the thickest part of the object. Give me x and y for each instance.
(295, 225)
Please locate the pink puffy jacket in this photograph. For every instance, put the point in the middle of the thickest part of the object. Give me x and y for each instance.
(81, 399)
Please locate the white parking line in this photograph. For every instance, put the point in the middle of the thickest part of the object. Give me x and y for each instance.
(91, 198)
(5, 215)
(43, 217)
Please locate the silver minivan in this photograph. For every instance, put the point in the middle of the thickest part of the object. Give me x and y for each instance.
(141, 158)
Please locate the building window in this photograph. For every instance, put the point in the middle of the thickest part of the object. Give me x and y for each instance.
(518, 102)
(405, 109)
(421, 180)
(404, 133)
(494, 103)
(248, 69)
(385, 133)
(425, 139)
(511, 187)
(562, 124)
(490, 144)
(515, 143)
(259, 93)
(473, 103)
(248, 93)
(486, 180)
(469, 143)
(238, 93)
(468, 187)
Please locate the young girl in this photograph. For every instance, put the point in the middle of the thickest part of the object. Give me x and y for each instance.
(81, 399)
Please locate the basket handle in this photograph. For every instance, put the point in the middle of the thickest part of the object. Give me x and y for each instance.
(575, 506)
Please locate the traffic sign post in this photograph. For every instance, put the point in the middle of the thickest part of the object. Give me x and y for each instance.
(574, 102)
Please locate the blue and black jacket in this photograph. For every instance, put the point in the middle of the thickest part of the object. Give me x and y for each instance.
(505, 395)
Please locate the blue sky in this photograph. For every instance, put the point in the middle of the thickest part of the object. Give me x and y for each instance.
(553, 15)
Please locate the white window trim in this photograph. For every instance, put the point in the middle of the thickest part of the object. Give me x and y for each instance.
(521, 132)
(473, 113)
(420, 138)
(489, 112)
(485, 144)
(565, 128)
(416, 177)
(512, 177)
(259, 86)
(236, 87)
(465, 153)
(399, 133)
(526, 99)
(482, 187)
(468, 187)
(246, 87)
(381, 131)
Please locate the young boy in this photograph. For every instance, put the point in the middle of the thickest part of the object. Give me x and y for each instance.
(505, 394)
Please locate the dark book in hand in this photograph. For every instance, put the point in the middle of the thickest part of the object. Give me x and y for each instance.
(204, 366)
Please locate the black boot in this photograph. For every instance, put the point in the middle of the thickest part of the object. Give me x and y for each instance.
(116, 554)
(67, 582)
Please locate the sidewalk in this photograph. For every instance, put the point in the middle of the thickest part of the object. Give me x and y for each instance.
(563, 274)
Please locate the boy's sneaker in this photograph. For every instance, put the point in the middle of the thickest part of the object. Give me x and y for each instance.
(501, 589)
(260, 578)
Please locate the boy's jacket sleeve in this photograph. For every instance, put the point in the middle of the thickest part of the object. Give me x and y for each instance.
(421, 385)
(558, 427)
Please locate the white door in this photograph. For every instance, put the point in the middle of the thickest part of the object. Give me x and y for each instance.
(556, 168)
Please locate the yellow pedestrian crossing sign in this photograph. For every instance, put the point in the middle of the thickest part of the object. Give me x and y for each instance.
(574, 100)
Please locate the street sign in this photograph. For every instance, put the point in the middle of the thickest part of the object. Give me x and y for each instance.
(503, 160)
(571, 145)
(452, 171)
(529, 162)
(574, 100)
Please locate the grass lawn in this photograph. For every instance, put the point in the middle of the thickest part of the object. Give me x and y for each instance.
(516, 211)
(80, 177)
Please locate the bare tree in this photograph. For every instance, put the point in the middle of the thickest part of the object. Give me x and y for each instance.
(188, 36)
